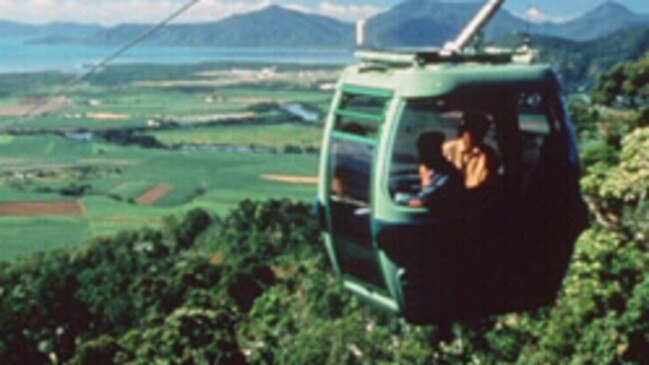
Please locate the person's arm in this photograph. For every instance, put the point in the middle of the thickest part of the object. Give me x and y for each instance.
(430, 194)
(488, 166)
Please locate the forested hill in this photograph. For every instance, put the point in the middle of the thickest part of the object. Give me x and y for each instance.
(254, 286)
(419, 23)
(603, 20)
(267, 28)
(433, 23)
(578, 63)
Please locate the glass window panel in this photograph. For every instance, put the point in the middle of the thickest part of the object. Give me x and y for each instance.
(357, 127)
(433, 115)
(361, 115)
(365, 104)
(532, 114)
(535, 127)
(351, 171)
(350, 197)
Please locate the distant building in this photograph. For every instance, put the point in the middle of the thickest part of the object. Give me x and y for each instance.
(153, 123)
(80, 136)
(328, 87)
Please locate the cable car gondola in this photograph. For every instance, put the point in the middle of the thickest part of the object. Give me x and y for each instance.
(503, 242)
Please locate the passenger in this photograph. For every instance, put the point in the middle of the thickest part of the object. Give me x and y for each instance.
(477, 161)
(442, 185)
(341, 189)
(350, 216)
(338, 184)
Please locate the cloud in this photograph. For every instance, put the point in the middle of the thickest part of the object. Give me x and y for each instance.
(350, 12)
(110, 12)
(210, 10)
(121, 11)
(298, 7)
(537, 15)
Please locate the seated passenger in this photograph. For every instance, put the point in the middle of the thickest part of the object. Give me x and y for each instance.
(350, 216)
(477, 161)
(341, 188)
(442, 187)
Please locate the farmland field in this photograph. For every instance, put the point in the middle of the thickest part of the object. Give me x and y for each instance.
(106, 153)
(154, 194)
(115, 177)
(22, 236)
(41, 209)
(276, 136)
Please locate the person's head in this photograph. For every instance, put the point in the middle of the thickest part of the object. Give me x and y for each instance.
(338, 183)
(429, 146)
(474, 128)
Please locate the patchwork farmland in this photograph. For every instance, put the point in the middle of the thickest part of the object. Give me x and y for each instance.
(154, 194)
(135, 145)
(41, 209)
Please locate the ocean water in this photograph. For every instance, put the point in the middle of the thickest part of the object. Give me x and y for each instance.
(18, 56)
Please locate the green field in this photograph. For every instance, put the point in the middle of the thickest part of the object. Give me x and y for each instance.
(215, 181)
(271, 136)
(108, 178)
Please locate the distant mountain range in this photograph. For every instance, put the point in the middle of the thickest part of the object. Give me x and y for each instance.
(416, 23)
(270, 27)
(410, 23)
(425, 23)
(579, 62)
(603, 20)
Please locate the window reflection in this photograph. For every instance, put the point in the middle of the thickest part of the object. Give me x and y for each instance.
(358, 123)
(363, 104)
(535, 129)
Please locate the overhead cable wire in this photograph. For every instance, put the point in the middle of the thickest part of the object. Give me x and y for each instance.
(33, 111)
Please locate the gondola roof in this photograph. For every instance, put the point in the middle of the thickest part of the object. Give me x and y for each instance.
(431, 74)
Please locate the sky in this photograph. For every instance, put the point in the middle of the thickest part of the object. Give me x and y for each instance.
(110, 12)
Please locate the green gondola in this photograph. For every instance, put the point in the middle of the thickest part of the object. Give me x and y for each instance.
(503, 242)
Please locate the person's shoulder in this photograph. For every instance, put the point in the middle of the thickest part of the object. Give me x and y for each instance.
(452, 145)
(453, 142)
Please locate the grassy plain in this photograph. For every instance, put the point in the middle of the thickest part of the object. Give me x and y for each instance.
(22, 236)
(39, 164)
(213, 180)
(271, 136)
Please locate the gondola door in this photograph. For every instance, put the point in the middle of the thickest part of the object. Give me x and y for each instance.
(359, 117)
(549, 213)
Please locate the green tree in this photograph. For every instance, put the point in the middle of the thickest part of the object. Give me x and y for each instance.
(625, 83)
(100, 351)
(271, 230)
(184, 232)
(187, 336)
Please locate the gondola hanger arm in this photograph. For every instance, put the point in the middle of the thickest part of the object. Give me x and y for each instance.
(481, 20)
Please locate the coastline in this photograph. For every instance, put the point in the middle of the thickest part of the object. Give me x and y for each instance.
(20, 57)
